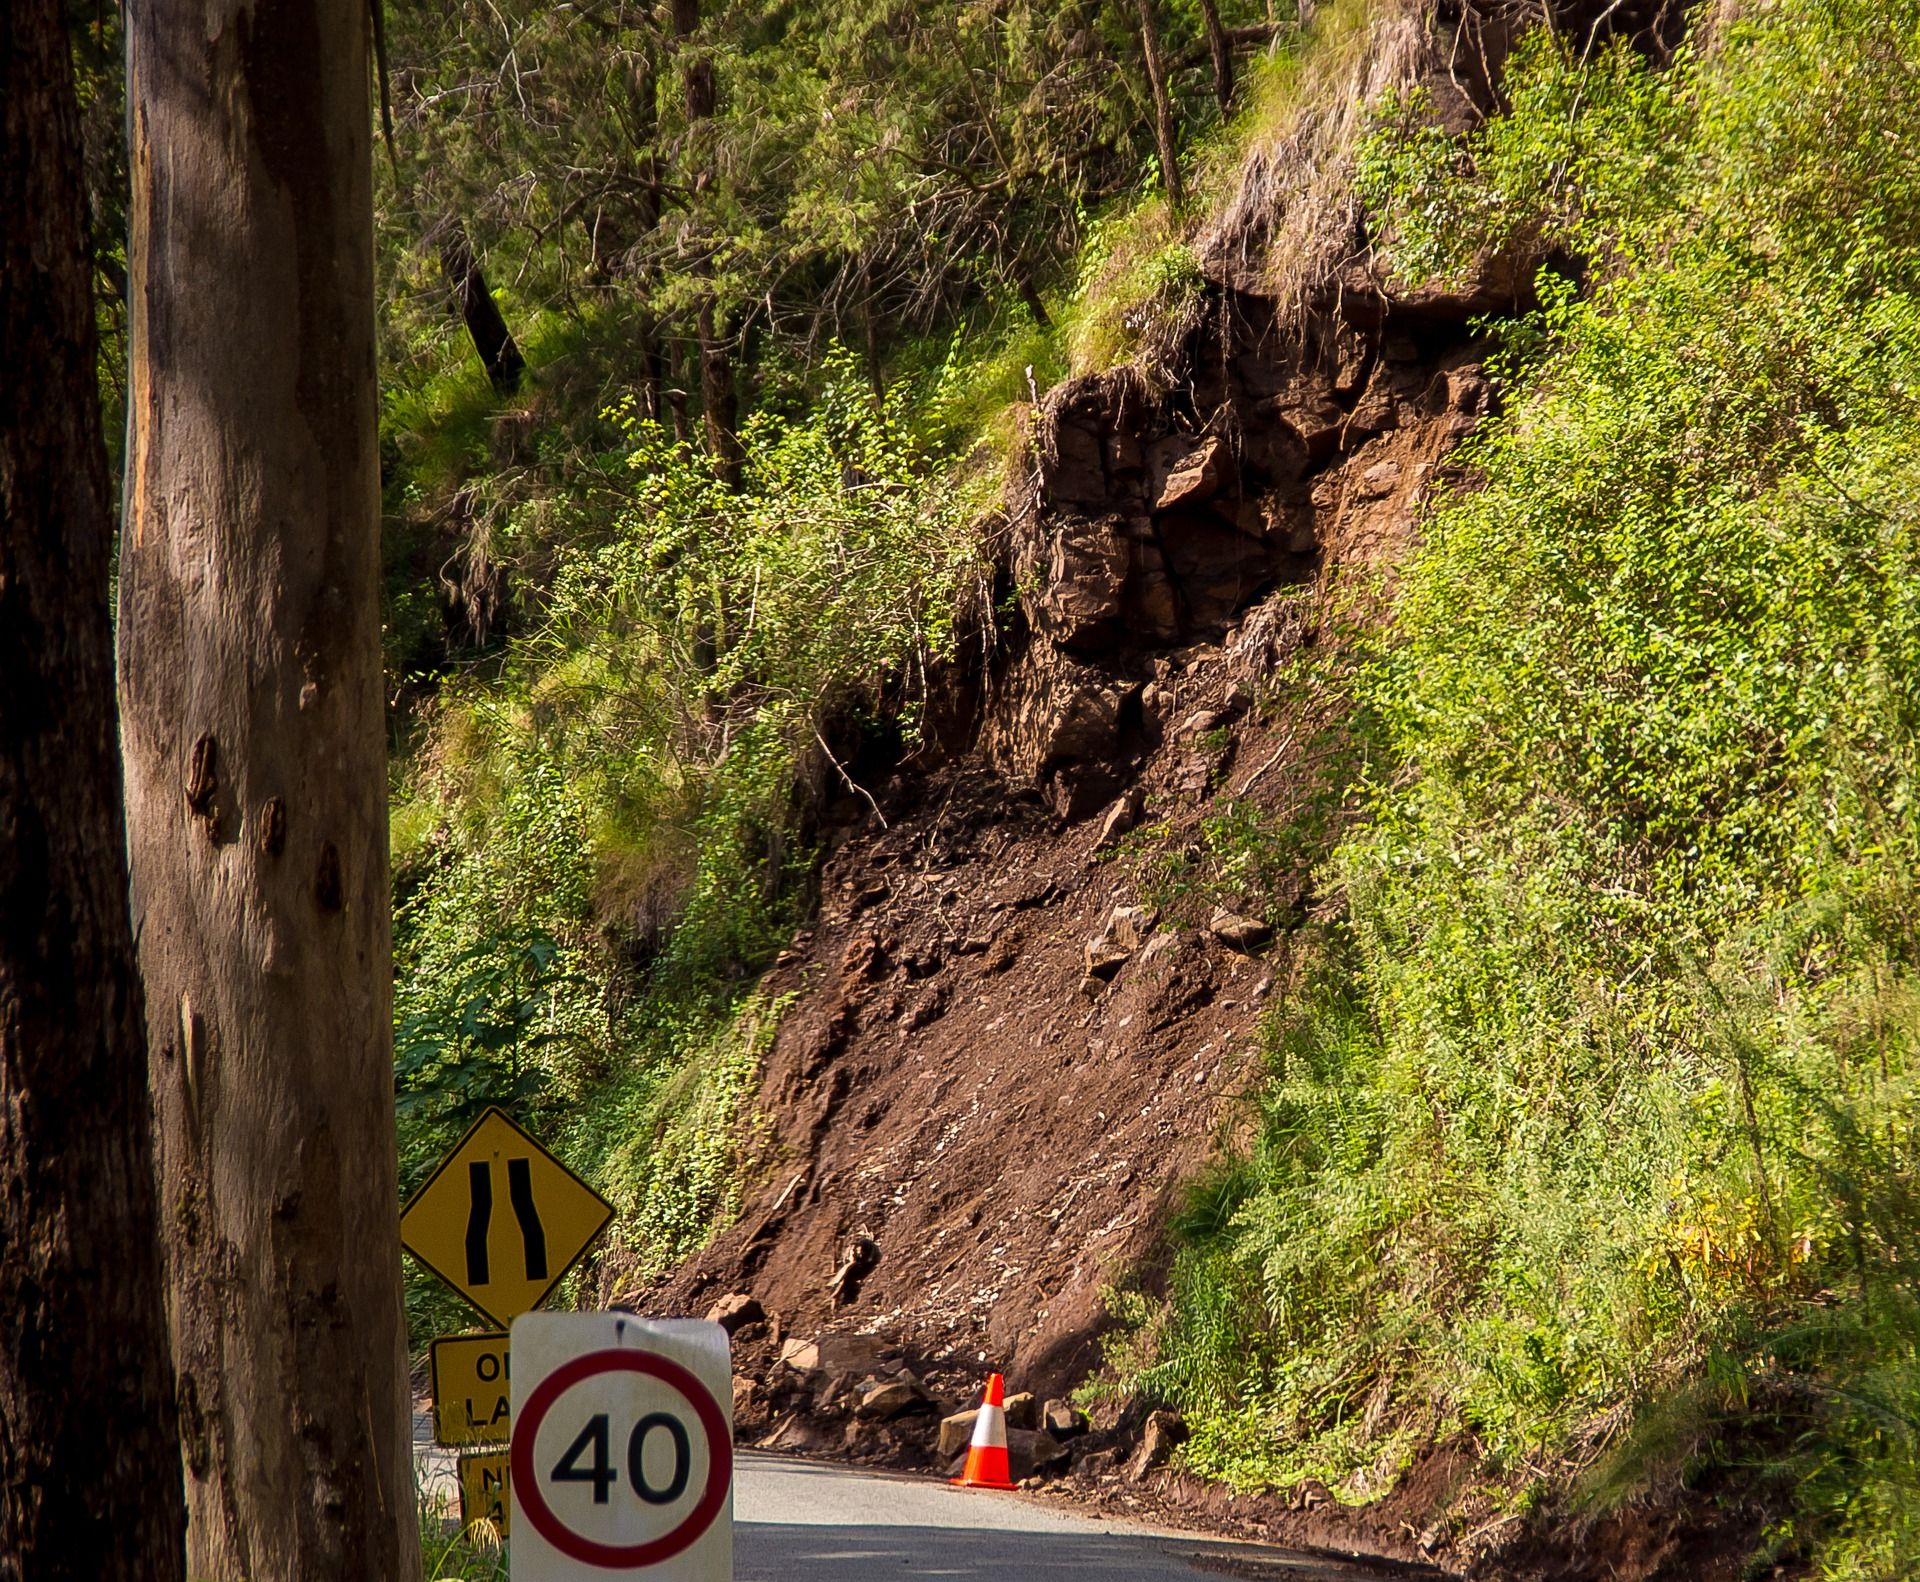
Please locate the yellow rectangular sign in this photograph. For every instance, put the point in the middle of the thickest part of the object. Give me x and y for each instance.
(472, 1393)
(502, 1220)
(484, 1495)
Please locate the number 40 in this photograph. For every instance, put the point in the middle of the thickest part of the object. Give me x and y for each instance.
(603, 1476)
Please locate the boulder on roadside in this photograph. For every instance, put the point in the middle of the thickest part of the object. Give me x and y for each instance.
(956, 1432)
(1028, 1452)
(832, 1354)
(886, 1399)
(1023, 1411)
(1043, 1452)
(1063, 1420)
(1097, 1463)
(1158, 1438)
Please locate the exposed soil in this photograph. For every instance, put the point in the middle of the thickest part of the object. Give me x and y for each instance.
(1013, 1041)
(988, 1133)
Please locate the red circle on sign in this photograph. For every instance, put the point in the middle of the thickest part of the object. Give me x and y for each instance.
(533, 1503)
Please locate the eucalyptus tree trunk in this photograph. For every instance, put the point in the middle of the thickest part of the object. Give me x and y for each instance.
(498, 351)
(1163, 125)
(89, 1448)
(1220, 47)
(719, 403)
(256, 782)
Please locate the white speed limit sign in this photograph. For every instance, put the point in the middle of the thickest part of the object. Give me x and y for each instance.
(622, 1459)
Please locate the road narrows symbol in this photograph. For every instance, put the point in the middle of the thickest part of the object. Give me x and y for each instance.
(520, 1193)
(479, 1216)
(458, 1224)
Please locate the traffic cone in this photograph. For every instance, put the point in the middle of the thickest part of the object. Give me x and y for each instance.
(986, 1466)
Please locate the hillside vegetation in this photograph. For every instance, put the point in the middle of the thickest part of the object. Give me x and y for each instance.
(632, 669)
(1583, 1136)
(1588, 1133)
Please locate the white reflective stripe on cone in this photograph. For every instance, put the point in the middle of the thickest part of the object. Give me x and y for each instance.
(990, 1429)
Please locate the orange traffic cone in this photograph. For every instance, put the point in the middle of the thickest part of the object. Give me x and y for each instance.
(986, 1466)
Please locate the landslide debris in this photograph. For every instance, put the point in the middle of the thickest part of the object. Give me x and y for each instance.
(1002, 1056)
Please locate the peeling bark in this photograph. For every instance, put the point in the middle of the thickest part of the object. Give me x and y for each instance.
(256, 778)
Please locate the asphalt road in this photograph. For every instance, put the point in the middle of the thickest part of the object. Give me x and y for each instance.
(809, 1521)
(803, 1521)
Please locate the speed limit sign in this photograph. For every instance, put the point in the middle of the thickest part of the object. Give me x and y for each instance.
(622, 1458)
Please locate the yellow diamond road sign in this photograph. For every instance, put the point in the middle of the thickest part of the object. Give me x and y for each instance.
(502, 1220)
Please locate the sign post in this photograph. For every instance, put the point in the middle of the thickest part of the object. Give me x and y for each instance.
(622, 1455)
(501, 1221)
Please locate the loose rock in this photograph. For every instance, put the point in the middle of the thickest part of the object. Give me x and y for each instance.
(890, 1398)
(956, 1433)
(1063, 1420)
(1030, 1451)
(1105, 956)
(1196, 476)
(857, 1260)
(734, 1313)
(1023, 1410)
(1120, 818)
(1237, 932)
(1128, 926)
(1163, 1431)
(1097, 1463)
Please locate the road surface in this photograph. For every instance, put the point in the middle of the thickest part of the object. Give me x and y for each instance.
(804, 1521)
(808, 1521)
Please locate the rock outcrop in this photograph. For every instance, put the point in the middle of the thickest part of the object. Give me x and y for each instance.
(1150, 521)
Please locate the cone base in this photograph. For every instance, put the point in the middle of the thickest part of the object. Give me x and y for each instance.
(980, 1483)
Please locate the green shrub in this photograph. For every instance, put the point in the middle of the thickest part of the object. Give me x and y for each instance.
(1605, 1114)
(596, 844)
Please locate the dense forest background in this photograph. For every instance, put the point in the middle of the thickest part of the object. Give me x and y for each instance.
(778, 280)
(1584, 1134)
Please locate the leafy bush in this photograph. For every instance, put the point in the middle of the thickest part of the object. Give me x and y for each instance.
(1606, 1109)
(597, 846)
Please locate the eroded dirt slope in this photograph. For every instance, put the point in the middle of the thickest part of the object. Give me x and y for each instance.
(969, 1135)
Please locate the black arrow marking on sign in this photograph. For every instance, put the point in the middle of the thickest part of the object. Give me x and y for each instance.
(532, 1232)
(479, 1216)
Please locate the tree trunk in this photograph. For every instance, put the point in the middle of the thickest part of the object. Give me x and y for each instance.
(643, 99)
(499, 352)
(1163, 128)
(1220, 47)
(89, 1440)
(1030, 294)
(677, 382)
(719, 404)
(870, 337)
(256, 783)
